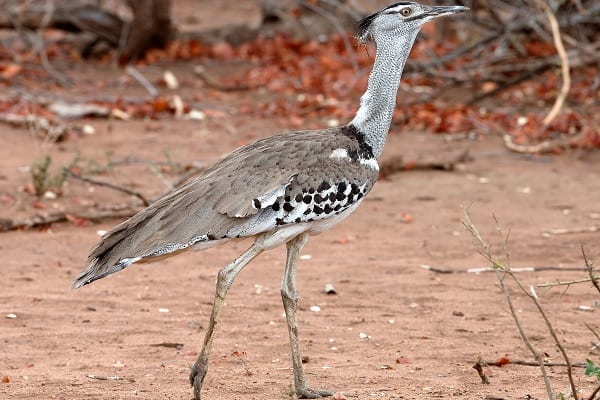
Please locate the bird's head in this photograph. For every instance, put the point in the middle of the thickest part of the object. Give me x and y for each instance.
(402, 18)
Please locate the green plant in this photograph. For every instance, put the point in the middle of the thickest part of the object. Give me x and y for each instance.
(592, 369)
(43, 179)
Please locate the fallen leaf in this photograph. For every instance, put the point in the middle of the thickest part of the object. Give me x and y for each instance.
(9, 71)
(502, 361)
(77, 221)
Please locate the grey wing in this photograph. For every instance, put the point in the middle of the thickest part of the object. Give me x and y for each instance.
(221, 200)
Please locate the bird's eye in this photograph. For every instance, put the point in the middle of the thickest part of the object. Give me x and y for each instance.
(406, 11)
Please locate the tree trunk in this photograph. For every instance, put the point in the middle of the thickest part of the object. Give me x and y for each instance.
(151, 27)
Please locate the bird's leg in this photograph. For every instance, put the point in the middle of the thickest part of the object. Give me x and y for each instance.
(224, 280)
(290, 301)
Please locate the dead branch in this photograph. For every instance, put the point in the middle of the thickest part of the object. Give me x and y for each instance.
(502, 271)
(137, 75)
(558, 343)
(479, 368)
(398, 164)
(104, 378)
(108, 185)
(54, 130)
(533, 363)
(479, 270)
(338, 26)
(564, 62)
(566, 231)
(589, 265)
(565, 283)
(40, 47)
(546, 146)
(39, 221)
(594, 393)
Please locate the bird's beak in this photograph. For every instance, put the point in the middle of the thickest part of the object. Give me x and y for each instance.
(439, 11)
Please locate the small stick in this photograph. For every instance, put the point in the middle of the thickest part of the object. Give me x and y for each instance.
(477, 366)
(108, 185)
(479, 270)
(592, 330)
(105, 378)
(594, 393)
(590, 267)
(137, 75)
(502, 270)
(45, 220)
(565, 283)
(41, 49)
(564, 61)
(564, 231)
(534, 363)
(397, 164)
(542, 147)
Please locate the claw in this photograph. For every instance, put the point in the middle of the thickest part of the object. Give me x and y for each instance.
(197, 375)
(308, 393)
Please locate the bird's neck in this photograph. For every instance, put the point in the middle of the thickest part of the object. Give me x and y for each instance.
(377, 104)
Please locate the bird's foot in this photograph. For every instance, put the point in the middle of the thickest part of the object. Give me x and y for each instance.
(308, 393)
(197, 375)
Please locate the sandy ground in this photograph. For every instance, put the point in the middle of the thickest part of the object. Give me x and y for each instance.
(424, 330)
(393, 330)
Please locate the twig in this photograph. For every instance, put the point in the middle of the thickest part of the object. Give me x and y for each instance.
(592, 330)
(589, 265)
(594, 393)
(533, 363)
(561, 348)
(543, 147)
(240, 357)
(108, 185)
(45, 220)
(477, 366)
(104, 378)
(564, 62)
(501, 272)
(41, 48)
(565, 231)
(137, 75)
(479, 270)
(335, 21)
(565, 283)
(397, 164)
(54, 130)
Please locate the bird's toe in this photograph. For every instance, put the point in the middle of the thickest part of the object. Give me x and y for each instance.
(196, 378)
(308, 393)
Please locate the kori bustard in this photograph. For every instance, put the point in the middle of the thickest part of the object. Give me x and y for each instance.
(278, 190)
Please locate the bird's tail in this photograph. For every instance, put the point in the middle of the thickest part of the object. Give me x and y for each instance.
(131, 241)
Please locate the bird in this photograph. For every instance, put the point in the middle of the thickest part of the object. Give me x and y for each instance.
(278, 190)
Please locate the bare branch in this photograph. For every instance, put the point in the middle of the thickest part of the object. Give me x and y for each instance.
(108, 185)
(589, 265)
(564, 62)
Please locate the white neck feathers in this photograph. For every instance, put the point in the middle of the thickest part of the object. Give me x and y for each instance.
(377, 104)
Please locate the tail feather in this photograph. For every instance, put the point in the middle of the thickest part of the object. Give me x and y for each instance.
(93, 273)
(162, 229)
